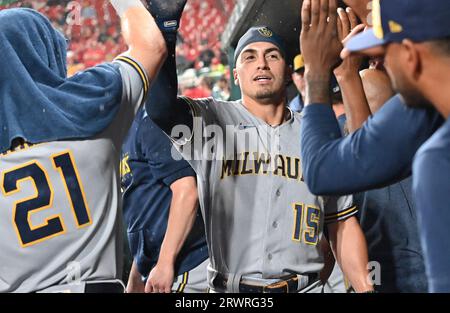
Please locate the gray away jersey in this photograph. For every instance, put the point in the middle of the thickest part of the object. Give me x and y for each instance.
(260, 218)
(60, 217)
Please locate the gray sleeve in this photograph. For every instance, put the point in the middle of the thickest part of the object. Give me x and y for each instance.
(192, 144)
(339, 208)
(135, 83)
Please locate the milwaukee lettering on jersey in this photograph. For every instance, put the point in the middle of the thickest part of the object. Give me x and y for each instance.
(254, 163)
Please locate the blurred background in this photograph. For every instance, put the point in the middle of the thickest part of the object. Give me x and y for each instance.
(208, 33)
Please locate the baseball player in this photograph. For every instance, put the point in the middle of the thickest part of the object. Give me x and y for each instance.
(372, 156)
(387, 215)
(60, 148)
(154, 183)
(416, 51)
(263, 226)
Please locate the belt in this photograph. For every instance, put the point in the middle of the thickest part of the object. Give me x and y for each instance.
(112, 286)
(285, 285)
(103, 287)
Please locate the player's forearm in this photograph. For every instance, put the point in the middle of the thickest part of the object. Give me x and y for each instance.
(350, 249)
(183, 211)
(356, 107)
(142, 35)
(328, 259)
(317, 87)
(378, 154)
(135, 284)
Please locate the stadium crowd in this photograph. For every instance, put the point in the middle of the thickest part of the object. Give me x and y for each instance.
(93, 31)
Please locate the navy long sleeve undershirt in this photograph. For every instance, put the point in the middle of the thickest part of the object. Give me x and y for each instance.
(378, 154)
(162, 104)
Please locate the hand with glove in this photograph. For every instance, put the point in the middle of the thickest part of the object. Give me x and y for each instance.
(167, 14)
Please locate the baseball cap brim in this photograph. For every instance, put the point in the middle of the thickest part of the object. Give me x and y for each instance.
(364, 41)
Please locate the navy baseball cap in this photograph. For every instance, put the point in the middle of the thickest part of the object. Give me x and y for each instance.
(258, 34)
(395, 20)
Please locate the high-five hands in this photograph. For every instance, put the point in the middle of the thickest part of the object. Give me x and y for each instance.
(320, 46)
(347, 26)
(319, 40)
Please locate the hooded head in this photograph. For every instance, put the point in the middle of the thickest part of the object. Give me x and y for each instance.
(37, 101)
(28, 37)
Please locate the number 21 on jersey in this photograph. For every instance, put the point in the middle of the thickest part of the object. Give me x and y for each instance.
(306, 223)
(42, 199)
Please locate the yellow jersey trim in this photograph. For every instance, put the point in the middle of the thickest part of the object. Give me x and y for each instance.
(138, 69)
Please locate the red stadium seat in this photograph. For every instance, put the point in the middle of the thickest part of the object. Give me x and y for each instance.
(201, 25)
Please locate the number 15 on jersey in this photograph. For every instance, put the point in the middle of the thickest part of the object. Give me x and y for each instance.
(306, 223)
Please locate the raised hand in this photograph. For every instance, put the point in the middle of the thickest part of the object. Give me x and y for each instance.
(348, 27)
(319, 41)
(167, 13)
(320, 46)
(347, 74)
(346, 22)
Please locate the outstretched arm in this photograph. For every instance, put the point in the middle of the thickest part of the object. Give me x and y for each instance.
(182, 215)
(162, 105)
(347, 74)
(350, 249)
(379, 153)
(145, 41)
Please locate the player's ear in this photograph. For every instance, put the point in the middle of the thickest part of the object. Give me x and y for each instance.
(236, 77)
(412, 58)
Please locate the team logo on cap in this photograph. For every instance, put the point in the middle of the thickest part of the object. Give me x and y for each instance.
(265, 32)
(395, 27)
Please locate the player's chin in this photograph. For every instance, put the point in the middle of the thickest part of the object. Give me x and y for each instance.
(265, 93)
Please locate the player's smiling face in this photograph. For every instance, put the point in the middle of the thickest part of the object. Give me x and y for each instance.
(261, 72)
